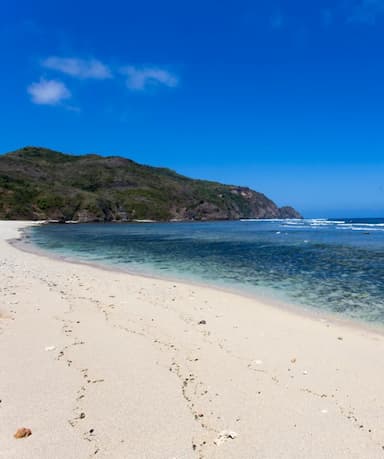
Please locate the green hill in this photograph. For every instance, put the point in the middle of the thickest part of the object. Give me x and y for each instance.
(38, 183)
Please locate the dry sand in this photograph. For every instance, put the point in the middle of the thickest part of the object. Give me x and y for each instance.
(110, 365)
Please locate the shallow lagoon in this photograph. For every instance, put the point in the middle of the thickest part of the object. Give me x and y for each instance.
(336, 266)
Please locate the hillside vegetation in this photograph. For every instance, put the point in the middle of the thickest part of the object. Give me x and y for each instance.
(38, 183)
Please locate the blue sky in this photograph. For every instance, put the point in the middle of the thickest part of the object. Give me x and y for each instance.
(286, 97)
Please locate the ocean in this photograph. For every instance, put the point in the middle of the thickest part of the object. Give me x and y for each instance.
(323, 264)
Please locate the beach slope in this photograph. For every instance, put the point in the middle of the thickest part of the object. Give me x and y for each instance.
(110, 365)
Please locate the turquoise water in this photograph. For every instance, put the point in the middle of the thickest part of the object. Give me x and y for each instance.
(336, 266)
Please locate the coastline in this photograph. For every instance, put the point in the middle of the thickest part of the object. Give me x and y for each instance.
(266, 299)
(152, 381)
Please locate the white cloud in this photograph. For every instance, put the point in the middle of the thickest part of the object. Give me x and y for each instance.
(139, 79)
(79, 68)
(366, 11)
(48, 92)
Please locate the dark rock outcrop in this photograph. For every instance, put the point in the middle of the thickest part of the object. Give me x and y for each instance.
(288, 212)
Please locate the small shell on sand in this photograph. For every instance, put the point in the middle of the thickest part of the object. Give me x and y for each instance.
(23, 432)
(223, 436)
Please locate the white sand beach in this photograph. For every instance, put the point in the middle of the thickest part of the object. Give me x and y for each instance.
(111, 365)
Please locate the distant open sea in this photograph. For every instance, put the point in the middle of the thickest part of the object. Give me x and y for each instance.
(331, 265)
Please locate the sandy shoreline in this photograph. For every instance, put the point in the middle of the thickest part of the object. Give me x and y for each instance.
(134, 375)
(265, 297)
